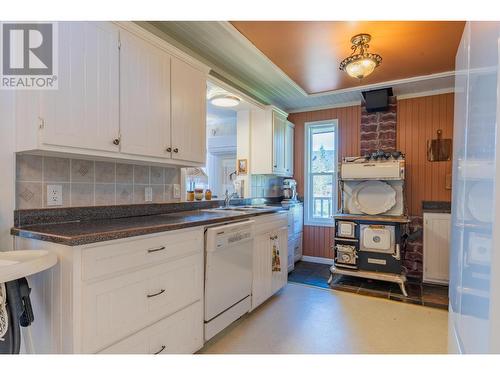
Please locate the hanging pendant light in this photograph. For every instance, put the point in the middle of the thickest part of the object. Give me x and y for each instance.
(361, 63)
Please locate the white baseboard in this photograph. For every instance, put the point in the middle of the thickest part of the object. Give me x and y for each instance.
(321, 260)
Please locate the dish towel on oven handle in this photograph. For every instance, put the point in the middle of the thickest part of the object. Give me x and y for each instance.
(4, 320)
(276, 254)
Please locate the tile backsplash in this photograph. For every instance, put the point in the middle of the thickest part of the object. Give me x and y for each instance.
(266, 186)
(90, 182)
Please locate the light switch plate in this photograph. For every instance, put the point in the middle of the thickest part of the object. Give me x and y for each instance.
(177, 191)
(54, 195)
(148, 194)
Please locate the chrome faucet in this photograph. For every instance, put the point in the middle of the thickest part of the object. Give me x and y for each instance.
(228, 197)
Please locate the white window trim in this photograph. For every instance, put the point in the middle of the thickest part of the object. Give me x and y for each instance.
(308, 219)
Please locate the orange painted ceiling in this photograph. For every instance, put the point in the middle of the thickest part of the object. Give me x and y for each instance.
(310, 52)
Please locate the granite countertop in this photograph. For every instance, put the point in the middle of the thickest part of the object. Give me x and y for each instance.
(384, 218)
(83, 232)
(436, 207)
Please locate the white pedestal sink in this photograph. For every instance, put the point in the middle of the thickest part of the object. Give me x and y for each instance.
(21, 263)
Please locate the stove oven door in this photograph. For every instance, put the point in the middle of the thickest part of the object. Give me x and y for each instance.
(378, 250)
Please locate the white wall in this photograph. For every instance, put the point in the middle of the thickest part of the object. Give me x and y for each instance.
(7, 168)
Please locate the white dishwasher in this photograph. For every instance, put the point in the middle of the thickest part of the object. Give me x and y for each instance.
(228, 274)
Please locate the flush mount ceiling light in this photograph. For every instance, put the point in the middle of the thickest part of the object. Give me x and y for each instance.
(361, 63)
(225, 100)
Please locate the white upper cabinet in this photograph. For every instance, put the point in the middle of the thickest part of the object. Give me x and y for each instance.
(189, 89)
(279, 124)
(271, 143)
(289, 139)
(123, 93)
(144, 97)
(83, 111)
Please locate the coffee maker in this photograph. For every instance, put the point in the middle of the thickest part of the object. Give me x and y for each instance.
(289, 190)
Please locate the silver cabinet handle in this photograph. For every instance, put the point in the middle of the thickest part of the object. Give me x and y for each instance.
(116, 141)
(176, 150)
(168, 149)
(156, 294)
(162, 349)
(154, 250)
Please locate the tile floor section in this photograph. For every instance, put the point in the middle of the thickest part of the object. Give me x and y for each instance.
(421, 294)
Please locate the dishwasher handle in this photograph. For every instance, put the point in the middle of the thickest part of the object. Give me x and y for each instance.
(215, 248)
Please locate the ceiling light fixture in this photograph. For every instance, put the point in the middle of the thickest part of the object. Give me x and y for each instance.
(225, 100)
(361, 63)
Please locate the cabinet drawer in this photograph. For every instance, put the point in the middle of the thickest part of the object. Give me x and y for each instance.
(291, 247)
(119, 256)
(115, 308)
(180, 333)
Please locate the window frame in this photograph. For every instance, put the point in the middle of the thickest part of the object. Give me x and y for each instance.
(308, 197)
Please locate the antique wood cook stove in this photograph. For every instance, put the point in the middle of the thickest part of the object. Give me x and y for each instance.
(371, 227)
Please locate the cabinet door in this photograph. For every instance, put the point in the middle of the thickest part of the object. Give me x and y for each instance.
(83, 111)
(278, 144)
(436, 247)
(144, 97)
(279, 279)
(189, 88)
(297, 248)
(261, 285)
(289, 136)
(290, 254)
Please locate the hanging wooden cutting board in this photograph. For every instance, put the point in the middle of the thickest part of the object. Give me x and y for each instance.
(439, 149)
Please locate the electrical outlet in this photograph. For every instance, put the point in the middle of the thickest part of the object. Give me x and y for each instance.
(177, 191)
(54, 195)
(148, 194)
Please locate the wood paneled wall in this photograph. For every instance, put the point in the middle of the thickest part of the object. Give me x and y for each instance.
(317, 241)
(418, 120)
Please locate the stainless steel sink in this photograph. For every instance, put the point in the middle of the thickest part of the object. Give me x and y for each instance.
(243, 208)
(229, 210)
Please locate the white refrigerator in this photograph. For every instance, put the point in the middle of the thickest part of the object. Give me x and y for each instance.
(474, 320)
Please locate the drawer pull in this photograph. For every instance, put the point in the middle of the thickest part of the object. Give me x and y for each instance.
(154, 250)
(162, 349)
(156, 294)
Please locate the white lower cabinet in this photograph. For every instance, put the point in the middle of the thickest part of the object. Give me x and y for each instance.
(270, 231)
(295, 228)
(139, 295)
(297, 249)
(118, 307)
(132, 295)
(436, 247)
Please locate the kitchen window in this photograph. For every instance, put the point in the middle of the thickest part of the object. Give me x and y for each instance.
(320, 201)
